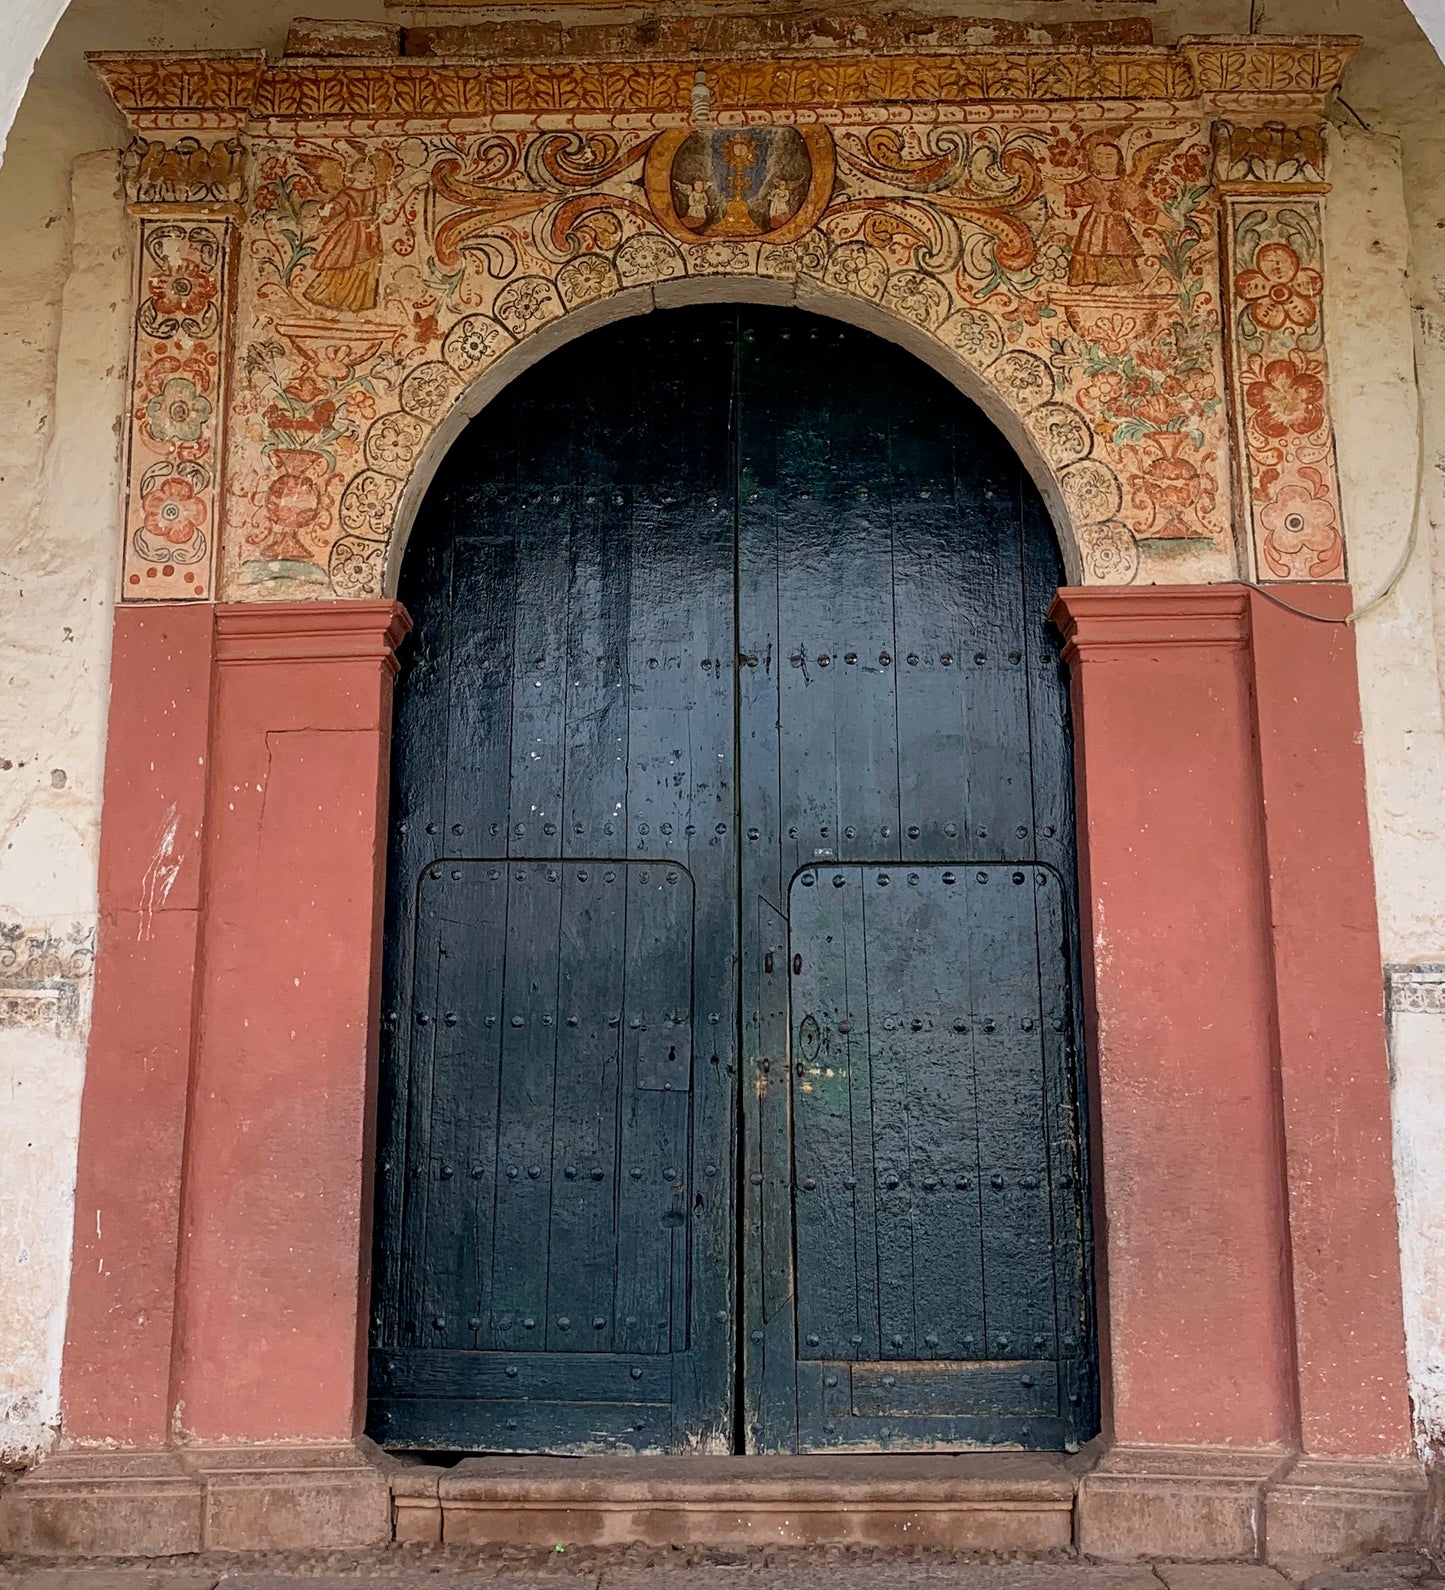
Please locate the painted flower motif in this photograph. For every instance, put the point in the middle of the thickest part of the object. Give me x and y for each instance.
(584, 279)
(917, 297)
(356, 567)
(367, 504)
(1157, 408)
(184, 290)
(1279, 292)
(1287, 400)
(1102, 390)
(645, 258)
(474, 344)
(305, 388)
(1052, 261)
(1300, 522)
(173, 511)
(525, 302)
(976, 335)
(178, 412)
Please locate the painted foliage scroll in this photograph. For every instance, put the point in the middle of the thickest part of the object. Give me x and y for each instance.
(184, 194)
(1272, 183)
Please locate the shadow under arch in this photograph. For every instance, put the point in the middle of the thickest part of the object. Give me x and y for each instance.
(970, 379)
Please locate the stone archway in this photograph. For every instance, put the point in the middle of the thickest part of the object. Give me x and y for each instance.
(1051, 437)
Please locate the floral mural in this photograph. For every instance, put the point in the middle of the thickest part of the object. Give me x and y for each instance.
(171, 514)
(1067, 255)
(1288, 451)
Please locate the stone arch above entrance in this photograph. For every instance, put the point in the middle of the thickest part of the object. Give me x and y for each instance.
(967, 347)
(1127, 284)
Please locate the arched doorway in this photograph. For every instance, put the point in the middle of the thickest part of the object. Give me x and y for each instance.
(731, 1067)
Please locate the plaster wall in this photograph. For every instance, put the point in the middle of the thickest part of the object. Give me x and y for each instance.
(64, 295)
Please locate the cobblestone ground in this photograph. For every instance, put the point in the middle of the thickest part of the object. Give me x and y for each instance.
(660, 1568)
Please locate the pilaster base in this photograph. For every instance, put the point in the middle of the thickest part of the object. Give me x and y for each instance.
(1194, 1504)
(161, 1504)
(1327, 1508)
(100, 1504)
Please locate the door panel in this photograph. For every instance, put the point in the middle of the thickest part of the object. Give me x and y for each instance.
(915, 1113)
(731, 1014)
(555, 1252)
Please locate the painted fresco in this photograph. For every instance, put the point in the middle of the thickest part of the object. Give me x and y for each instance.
(1068, 253)
(1071, 267)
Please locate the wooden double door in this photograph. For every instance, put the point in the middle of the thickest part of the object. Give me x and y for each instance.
(730, 1038)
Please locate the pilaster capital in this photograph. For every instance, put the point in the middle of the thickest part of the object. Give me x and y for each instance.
(185, 176)
(272, 632)
(1269, 157)
(1115, 624)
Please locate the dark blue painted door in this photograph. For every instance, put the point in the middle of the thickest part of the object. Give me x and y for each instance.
(728, 1081)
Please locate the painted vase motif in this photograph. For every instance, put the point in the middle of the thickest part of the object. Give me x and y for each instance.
(294, 499)
(1169, 486)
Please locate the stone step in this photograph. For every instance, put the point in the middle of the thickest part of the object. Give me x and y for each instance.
(995, 1501)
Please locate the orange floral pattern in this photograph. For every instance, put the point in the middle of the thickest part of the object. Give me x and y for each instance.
(1279, 291)
(1287, 399)
(1287, 468)
(174, 440)
(173, 511)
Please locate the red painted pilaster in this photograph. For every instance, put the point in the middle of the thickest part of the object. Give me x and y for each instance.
(116, 1370)
(1334, 1078)
(274, 1246)
(1192, 1234)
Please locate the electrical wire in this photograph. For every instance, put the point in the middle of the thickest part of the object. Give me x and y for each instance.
(1412, 539)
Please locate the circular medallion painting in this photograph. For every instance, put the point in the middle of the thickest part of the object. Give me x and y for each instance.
(740, 182)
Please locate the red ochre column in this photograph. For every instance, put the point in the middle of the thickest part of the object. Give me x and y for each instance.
(1334, 1087)
(1171, 851)
(115, 1380)
(1190, 1212)
(274, 1264)
(1249, 1270)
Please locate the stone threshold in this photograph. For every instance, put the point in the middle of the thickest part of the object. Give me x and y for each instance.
(994, 1501)
(1114, 1504)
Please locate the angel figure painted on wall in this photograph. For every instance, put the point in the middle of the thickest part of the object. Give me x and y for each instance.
(1112, 199)
(347, 262)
